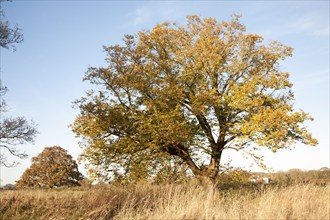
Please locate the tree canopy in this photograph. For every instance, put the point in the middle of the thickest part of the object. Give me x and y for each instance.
(53, 167)
(188, 92)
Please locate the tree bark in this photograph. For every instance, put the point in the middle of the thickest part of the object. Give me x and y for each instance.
(206, 181)
(206, 175)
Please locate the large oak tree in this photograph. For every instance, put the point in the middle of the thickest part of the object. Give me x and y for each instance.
(188, 92)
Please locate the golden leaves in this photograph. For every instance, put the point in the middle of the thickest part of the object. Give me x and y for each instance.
(162, 81)
(51, 168)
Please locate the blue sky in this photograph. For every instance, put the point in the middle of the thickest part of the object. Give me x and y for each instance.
(62, 39)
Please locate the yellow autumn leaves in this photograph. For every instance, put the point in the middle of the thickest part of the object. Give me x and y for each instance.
(183, 91)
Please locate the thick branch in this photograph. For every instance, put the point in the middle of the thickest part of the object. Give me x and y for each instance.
(206, 128)
(14, 152)
(182, 152)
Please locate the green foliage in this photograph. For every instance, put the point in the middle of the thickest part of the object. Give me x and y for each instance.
(236, 176)
(187, 92)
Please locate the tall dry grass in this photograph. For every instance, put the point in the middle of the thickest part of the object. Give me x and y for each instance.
(145, 201)
(294, 202)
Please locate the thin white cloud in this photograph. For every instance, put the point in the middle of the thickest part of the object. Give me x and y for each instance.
(309, 25)
(141, 15)
(312, 79)
(156, 12)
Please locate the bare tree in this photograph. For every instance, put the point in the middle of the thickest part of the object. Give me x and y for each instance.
(13, 131)
(8, 35)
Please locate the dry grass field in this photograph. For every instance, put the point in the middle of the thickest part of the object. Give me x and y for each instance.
(188, 201)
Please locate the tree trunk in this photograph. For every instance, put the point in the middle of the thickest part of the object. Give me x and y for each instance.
(207, 176)
(206, 181)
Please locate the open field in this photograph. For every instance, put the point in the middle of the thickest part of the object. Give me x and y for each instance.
(189, 201)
